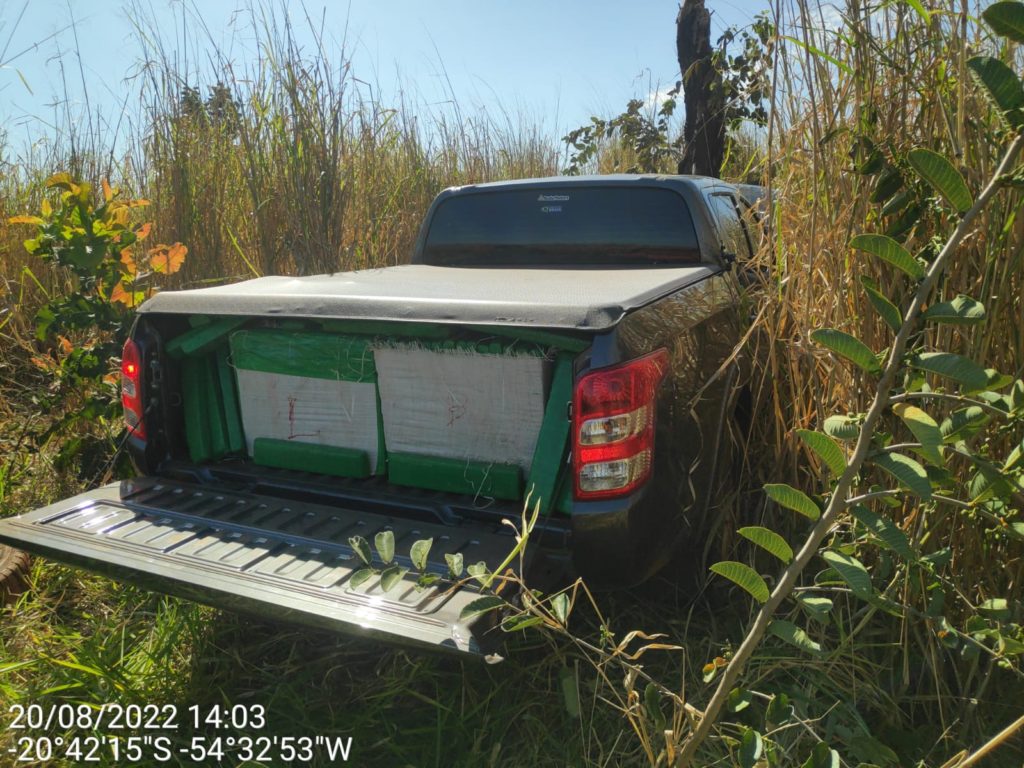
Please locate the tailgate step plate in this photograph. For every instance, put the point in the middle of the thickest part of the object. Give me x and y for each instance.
(276, 558)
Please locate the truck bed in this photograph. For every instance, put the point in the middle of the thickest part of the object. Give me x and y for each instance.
(585, 299)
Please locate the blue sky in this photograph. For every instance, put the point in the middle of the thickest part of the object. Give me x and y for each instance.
(553, 62)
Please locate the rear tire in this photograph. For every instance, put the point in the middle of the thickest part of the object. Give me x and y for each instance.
(14, 567)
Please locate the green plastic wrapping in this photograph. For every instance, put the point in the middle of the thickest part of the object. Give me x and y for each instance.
(474, 478)
(309, 457)
(307, 354)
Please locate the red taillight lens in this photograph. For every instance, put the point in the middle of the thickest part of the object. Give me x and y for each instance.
(131, 389)
(613, 426)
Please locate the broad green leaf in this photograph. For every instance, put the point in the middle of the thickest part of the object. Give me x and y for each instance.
(963, 423)
(822, 757)
(790, 498)
(885, 529)
(482, 605)
(739, 699)
(454, 560)
(478, 571)
(1008, 646)
(1017, 396)
(419, 552)
(925, 429)
(907, 473)
(899, 202)
(362, 548)
(751, 747)
(360, 576)
(850, 347)
(390, 576)
(1006, 19)
(792, 634)
(942, 176)
(888, 250)
(425, 580)
(920, 10)
(889, 183)
(960, 369)
(842, 427)
(520, 622)
(851, 570)
(817, 608)
(1014, 459)
(1002, 85)
(963, 310)
(744, 577)
(560, 607)
(769, 541)
(997, 380)
(826, 449)
(779, 709)
(996, 607)
(885, 308)
(990, 481)
(385, 544)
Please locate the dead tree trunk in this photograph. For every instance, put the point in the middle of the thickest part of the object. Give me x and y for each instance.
(704, 129)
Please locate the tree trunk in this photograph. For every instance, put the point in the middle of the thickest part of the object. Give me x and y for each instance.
(704, 129)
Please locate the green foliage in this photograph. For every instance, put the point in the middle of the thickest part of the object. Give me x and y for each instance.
(646, 137)
(1002, 86)
(943, 176)
(962, 310)
(769, 541)
(850, 347)
(644, 133)
(791, 498)
(385, 544)
(885, 308)
(792, 634)
(960, 369)
(99, 244)
(744, 577)
(826, 449)
(890, 251)
(1006, 19)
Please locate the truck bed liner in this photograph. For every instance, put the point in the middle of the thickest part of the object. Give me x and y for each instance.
(585, 299)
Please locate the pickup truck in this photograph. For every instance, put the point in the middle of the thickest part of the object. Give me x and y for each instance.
(563, 343)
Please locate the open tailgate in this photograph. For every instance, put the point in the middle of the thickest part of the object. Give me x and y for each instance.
(276, 558)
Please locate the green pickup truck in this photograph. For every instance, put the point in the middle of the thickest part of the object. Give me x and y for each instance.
(561, 342)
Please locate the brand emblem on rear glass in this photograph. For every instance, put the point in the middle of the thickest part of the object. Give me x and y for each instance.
(552, 198)
(551, 209)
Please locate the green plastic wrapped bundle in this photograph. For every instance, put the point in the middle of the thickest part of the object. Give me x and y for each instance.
(309, 389)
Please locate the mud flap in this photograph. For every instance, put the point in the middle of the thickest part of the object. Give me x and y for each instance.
(275, 558)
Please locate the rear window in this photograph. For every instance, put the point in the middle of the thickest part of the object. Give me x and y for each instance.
(562, 226)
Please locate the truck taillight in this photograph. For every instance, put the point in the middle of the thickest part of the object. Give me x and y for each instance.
(613, 426)
(131, 389)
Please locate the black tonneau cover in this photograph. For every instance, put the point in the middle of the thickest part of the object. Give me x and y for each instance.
(586, 299)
